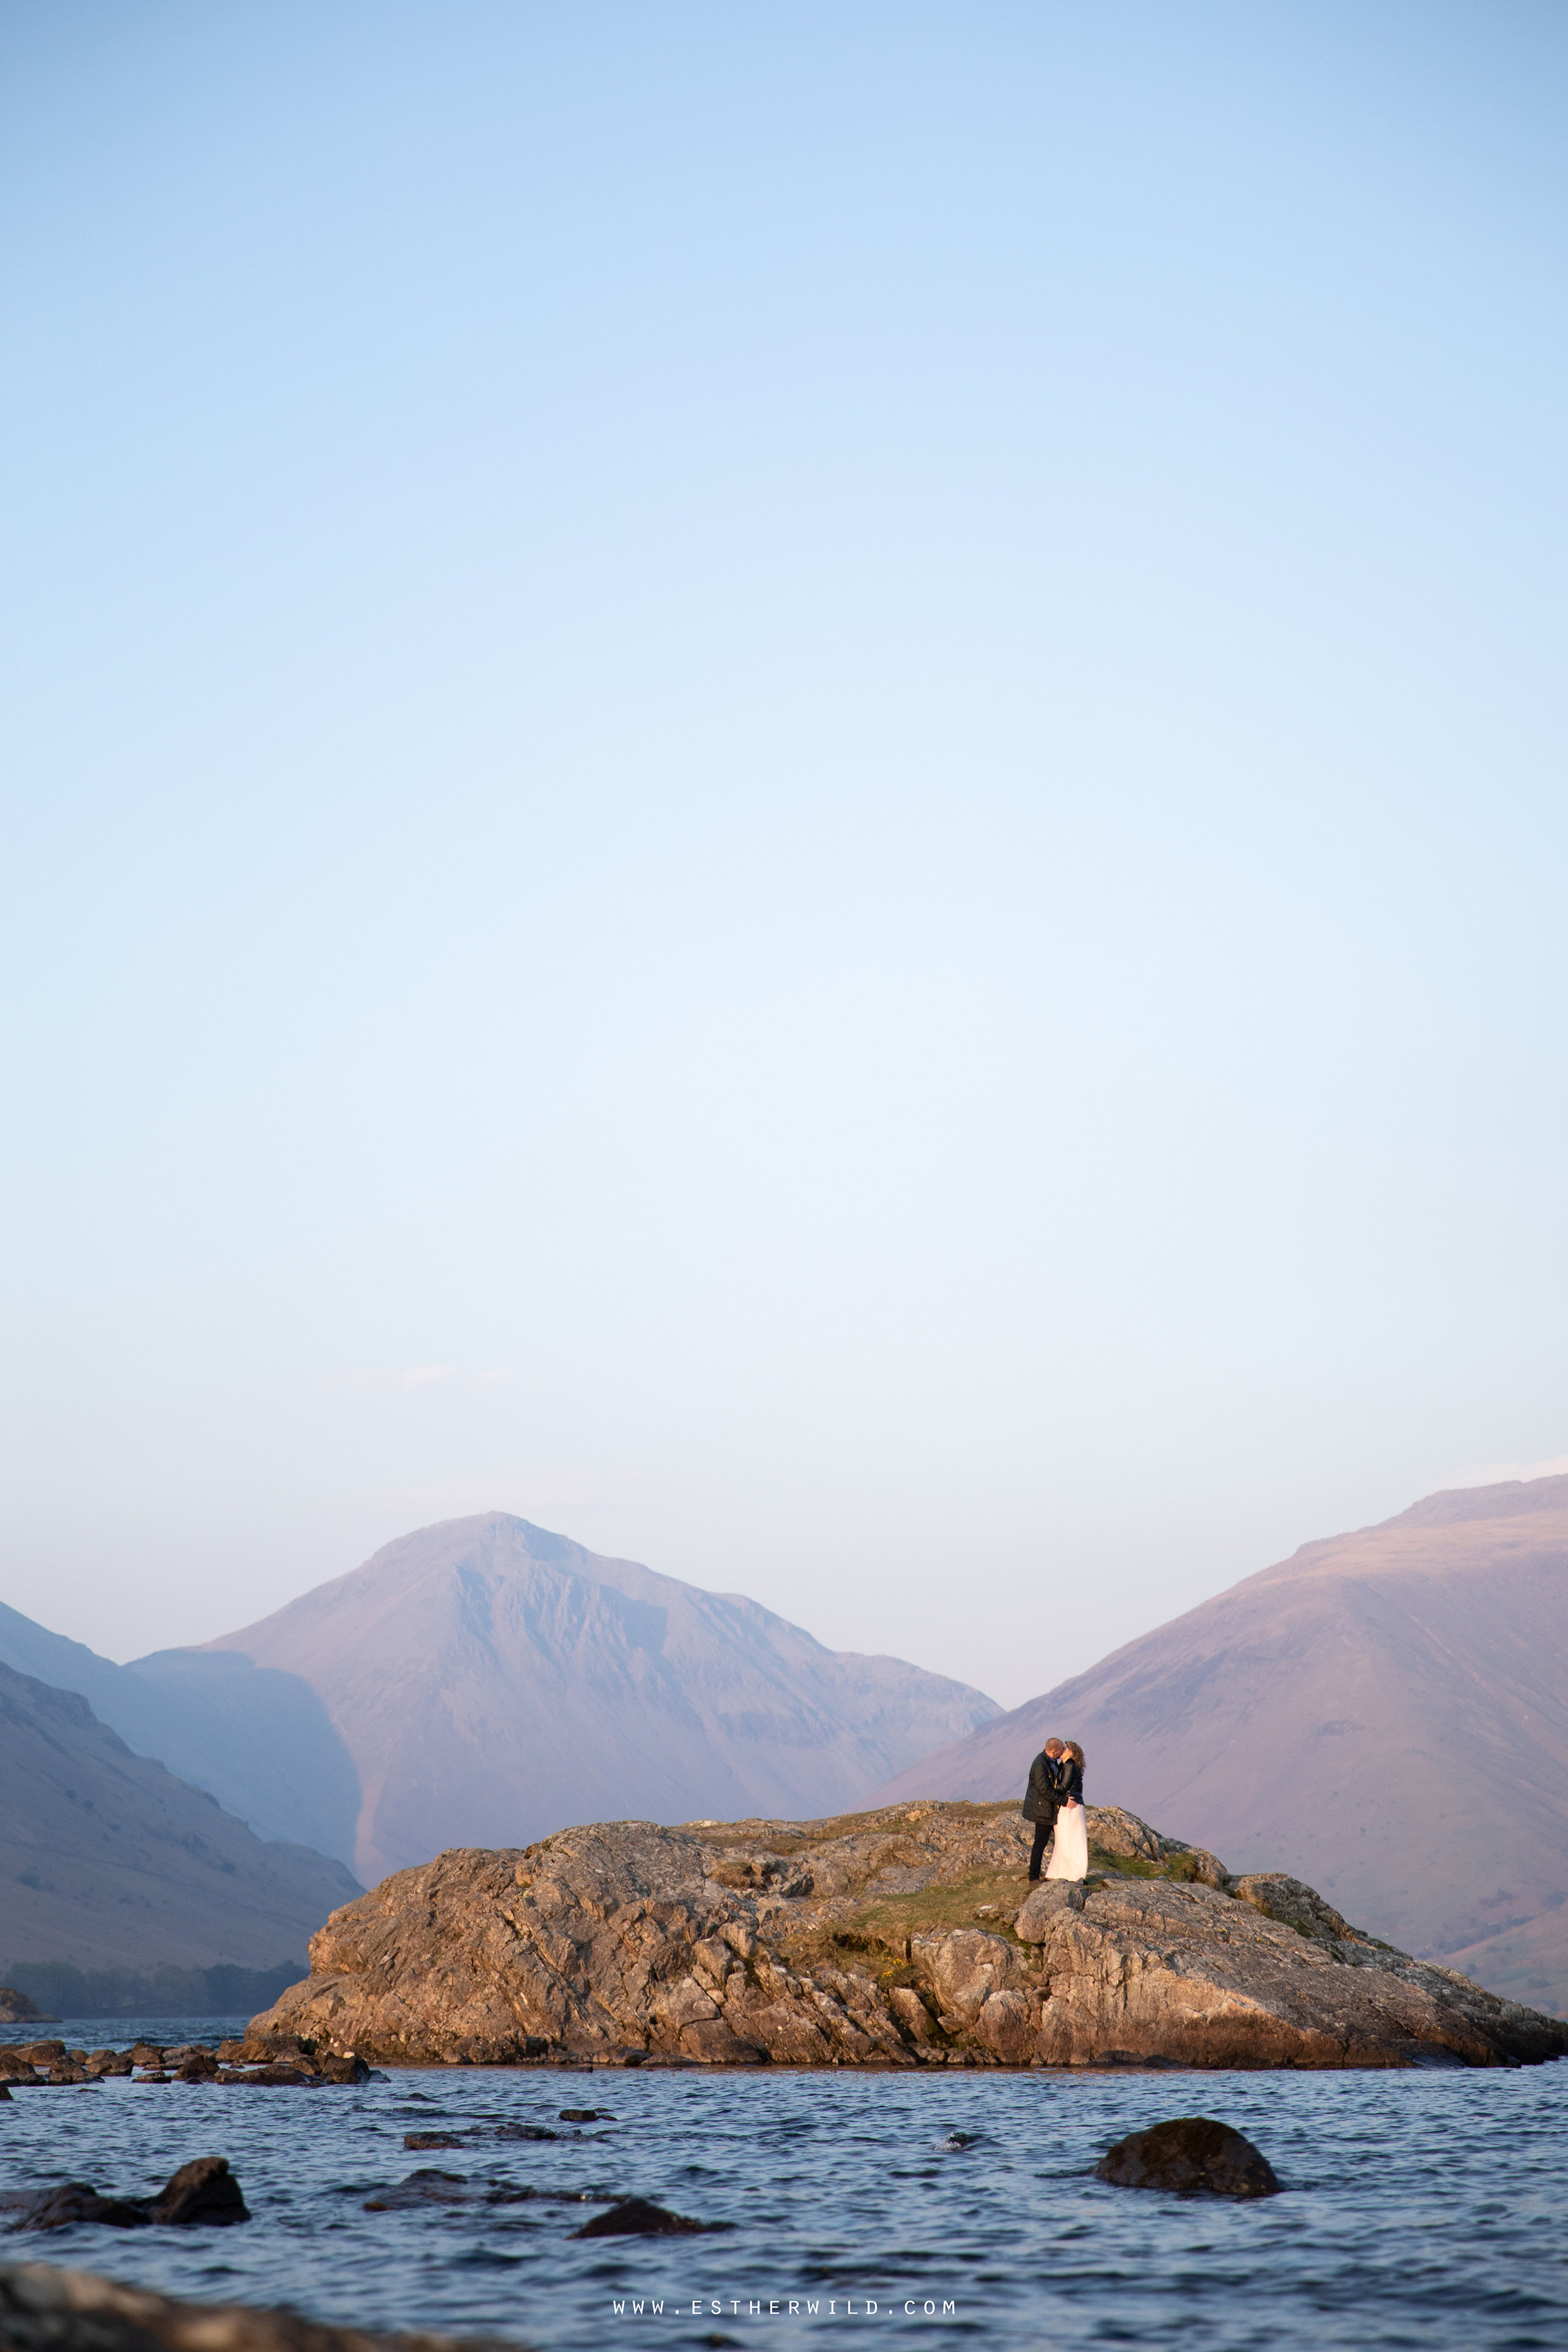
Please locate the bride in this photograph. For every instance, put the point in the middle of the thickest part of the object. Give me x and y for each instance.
(1070, 1853)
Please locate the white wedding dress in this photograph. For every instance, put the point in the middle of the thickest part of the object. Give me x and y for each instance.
(1070, 1855)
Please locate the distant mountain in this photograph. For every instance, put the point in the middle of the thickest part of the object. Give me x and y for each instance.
(108, 1861)
(260, 1742)
(490, 1682)
(1385, 1715)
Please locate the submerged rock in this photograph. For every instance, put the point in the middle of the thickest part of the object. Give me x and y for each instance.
(75, 2201)
(428, 2187)
(202, 2192)
(835, 1942)
(1192, 2155)
(634, 2217)
(425, 2187)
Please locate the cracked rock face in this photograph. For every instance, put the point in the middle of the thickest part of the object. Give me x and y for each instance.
(848, 1942)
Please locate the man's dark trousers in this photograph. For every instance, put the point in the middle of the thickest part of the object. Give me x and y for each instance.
(1043, 1832)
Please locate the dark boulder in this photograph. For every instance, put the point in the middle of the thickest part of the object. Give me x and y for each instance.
(204, 2192)
(634, 2217)
(1192, 2155)
(76, 2201)
(282, 2073)
(345, 2069)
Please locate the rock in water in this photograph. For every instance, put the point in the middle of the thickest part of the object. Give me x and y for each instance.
(634, 2217)
(1193, 2156)
(827, 1943)
(75, 2201)
(204, 2190)
(15, 2008)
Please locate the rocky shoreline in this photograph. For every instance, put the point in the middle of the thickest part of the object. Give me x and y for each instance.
(50, 2065)
(902, 1937)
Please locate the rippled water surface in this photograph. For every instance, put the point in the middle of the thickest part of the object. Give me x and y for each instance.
(1419, 2208)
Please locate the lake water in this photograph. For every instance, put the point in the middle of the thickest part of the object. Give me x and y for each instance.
(1421, 2209)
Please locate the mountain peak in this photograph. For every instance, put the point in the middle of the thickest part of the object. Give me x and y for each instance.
(1513, 1498)
(485, 1681)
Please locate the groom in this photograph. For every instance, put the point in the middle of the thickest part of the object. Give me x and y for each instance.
(1042, 1801)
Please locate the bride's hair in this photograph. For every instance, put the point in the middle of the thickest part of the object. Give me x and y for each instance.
(1076, 1753)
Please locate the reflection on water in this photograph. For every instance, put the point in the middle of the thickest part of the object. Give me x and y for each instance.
(1421, 2209)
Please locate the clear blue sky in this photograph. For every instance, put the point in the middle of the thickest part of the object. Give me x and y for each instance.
(784, 782)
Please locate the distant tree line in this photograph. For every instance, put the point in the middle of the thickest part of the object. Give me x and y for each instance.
(65, 1991)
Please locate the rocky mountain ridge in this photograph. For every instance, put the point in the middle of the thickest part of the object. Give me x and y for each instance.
(484, 1680)
(905, 1937)
(487, 1680)
(261, 1743)
(108, 1861)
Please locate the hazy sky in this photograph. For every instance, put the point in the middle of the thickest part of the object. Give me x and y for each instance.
(785, 782)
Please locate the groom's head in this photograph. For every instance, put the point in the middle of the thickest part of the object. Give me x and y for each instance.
(1054, 1748)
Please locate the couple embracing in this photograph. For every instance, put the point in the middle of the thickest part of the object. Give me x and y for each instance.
(1054, 1801)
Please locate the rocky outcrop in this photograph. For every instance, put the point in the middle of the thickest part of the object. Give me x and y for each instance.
(904, 1938)
(43, 2309)
(15, 2008)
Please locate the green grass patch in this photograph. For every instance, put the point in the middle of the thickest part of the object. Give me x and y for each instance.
(787, 1839)
(875, 1935)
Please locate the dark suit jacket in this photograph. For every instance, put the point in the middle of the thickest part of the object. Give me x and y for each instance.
(1043, 1794)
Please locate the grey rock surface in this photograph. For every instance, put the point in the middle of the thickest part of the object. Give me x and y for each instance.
(861, 1941)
